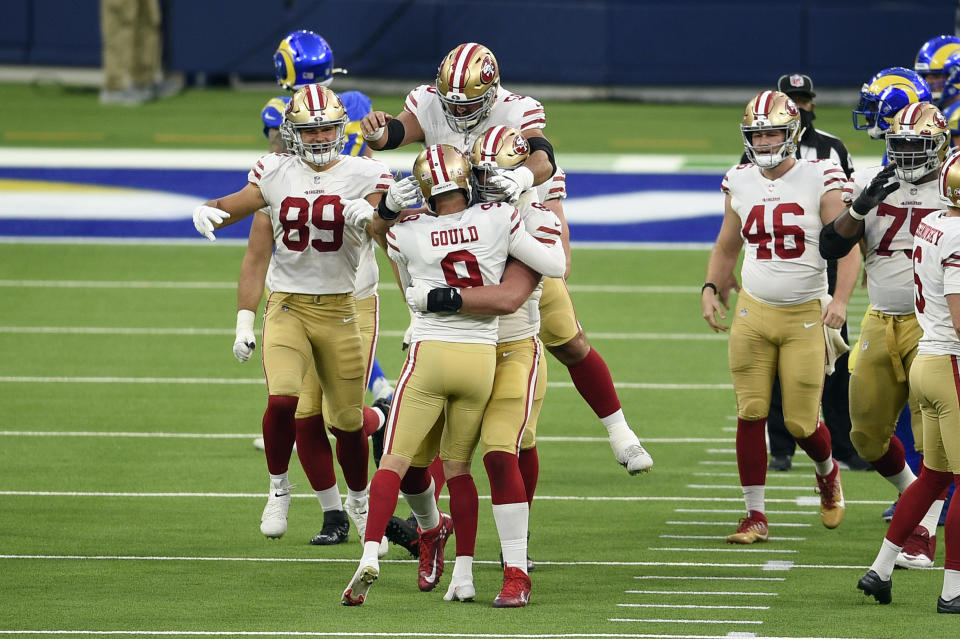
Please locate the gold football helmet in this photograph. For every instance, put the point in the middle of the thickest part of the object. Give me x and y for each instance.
(950, 178)
(439, 169)
(314, 107)
(918, 141)
(500, 147)
(771, 111)
(467, 83)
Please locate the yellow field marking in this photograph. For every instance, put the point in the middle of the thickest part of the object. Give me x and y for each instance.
(218, 138)
(46, 136)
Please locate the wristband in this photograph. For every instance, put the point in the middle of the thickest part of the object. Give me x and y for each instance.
(385, 212)
(857, 216)
(709, 285)
(245, 320)
(376, 135)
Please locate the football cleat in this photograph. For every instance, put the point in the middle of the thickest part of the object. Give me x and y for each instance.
(258, 443)
(460, 590)
(752, 528)
(888, 513)
(382, 405)
(336, 529)
(918, 550)
(832, 506)
(356, 592)
(629, 452)
(873, 586)
(951, 607)
(402, 533)
(357, 510)
(782, 463)
(516, 589)
(432, 543)
(273, 521)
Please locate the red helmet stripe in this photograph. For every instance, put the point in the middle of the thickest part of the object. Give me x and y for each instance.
(491, 141)
(443, 166)
(438, 171)
(911, 114)
(763, 103)
(458, 77)
(314, 96)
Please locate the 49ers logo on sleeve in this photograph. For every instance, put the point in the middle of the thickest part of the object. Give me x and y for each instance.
(487, 70)
(520, 146)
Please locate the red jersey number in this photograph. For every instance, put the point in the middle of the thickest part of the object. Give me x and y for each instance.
(468, 264)
(755, 232)
(899, 216)
(325, 215)
(918, 285)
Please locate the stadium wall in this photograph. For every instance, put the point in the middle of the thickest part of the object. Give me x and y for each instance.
(605, 43)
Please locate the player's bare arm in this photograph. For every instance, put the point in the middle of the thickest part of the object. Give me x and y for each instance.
(256, 260)
(516, 285)
(239, 205)
(723, 259)
(540, 161)
(848, 266)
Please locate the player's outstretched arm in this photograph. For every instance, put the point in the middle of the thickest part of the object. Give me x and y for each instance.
(224, 211)
(383, 132)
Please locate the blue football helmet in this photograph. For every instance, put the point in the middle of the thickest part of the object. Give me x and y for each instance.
(302, 58)
(930, 61)
(272, 113)
(951, 82)
(884, 95)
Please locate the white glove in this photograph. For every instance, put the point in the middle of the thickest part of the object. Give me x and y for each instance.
(357, 212)
(204, 217)
(403, 194)
(416, 295)
(246, 341)
(408, 335)
(513, 182)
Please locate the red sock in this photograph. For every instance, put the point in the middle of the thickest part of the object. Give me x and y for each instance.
(818, 445)
(915, 502)
(352, 454)
(279, 432)
(752, 452)
(415, 481)
(506, 484)
(892, 461)
(384, 493)
(464, 508)
(436, 471)
(529, 463)
(951, 532)
(371, 421)
(315, 453)
(592, 379)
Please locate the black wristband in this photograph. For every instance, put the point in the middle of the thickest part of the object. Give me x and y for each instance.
(709, 285)
(395, 134)
(384, 211)
(444, 300)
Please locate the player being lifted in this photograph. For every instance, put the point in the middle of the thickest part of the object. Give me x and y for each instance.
(466, 100)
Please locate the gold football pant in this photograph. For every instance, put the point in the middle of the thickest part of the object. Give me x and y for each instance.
(440, 378)
(316, 331)
(768, 340)
(511, 407)
(558, 319)
(935, 380)
(311, 398)
(879, 382)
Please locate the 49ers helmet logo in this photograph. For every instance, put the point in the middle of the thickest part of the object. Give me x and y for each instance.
(520, 146)
(939, 120)
(487, 70)
(790, 107)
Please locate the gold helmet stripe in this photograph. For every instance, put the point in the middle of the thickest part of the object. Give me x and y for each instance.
(491, 142)
(458, 79)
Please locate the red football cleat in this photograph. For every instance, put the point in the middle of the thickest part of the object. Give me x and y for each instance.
(516, 589)
(432, 543)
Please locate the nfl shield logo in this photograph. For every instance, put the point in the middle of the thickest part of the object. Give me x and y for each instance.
(796, 81)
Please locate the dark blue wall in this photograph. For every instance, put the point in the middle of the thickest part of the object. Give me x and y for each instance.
(612, 42)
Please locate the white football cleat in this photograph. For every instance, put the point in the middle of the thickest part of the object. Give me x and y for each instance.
(629, 452)
(258, 443)
(357, 510)
(273, 521)
(460, 590)
(356, 592)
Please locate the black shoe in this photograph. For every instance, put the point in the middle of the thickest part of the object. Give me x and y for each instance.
(872, 585)
(400, 532)
(781, 462)
(951, 607)
(336, 529)
(854, 462)
(376, 439)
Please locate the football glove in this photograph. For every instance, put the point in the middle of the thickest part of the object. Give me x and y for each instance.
(403, 194)
(876, 192)
(246, 341)
(416, 295)
(204, 218)
(357, 212)
(513, 182)
(408, 334)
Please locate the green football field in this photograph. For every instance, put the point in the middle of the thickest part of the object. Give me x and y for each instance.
(131, 492)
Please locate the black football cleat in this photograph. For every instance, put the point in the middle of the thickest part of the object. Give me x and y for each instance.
(402, 533)
(872, 585)
(336, 529)
(951, 607)
(376, 439)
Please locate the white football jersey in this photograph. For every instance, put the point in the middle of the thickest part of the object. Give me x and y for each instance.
(780, 222)
(316, 252)
(553, 189)
(509, 109)
(888, 235)
(463, 250)
(543, 224)
(936, 262)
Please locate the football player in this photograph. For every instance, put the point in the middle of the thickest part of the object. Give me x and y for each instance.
(466, 100)
(778, 204)
(450, 364)
(950, 99)
(934, 380)
(316, 259)
(882, 216)
(884, 95)
(930, 61)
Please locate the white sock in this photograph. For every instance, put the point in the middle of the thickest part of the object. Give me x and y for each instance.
(511, 522)
(329, 498)
(754, 497)
(371, 554)
(902, 479)
(463, 569)
(355, 497)
(886, 559)
(951, 585)
(824, 467)
(424, 507)
(932, 518)
(277, 480)
(614, 419)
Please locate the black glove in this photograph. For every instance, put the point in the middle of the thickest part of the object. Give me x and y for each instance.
(876, 192)
(444, 300)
